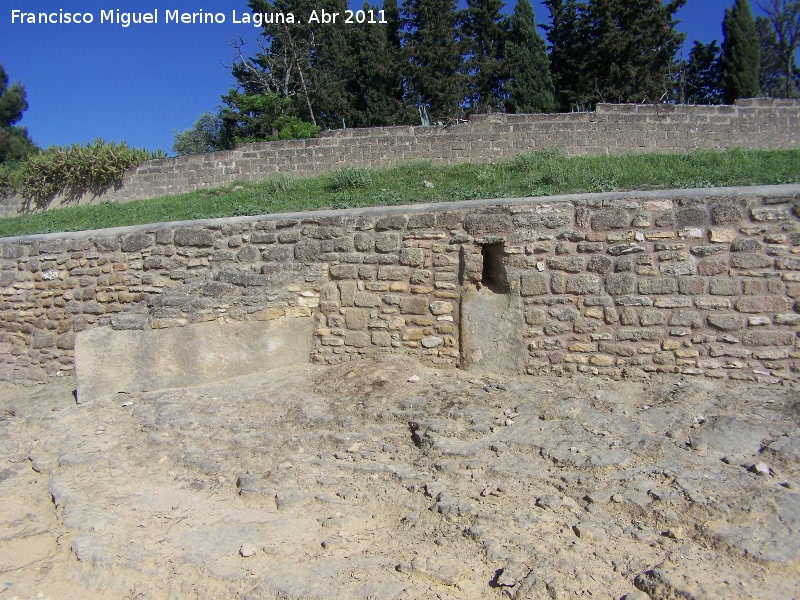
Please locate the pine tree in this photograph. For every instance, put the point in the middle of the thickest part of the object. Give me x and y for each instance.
(569, 47)
(15, 145)
(702, 74)
(633, 44)
(435, 74)
(530, 87)
(740, 53)
(484, 37)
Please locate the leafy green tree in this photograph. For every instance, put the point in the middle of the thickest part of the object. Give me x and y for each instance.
(15, 144)
(206, 135)
(569, 47)
(779, 37)
(632, 49)
(702, 74)
(740, 53)
(307, 63)
(530, 87)
(484, 36)
(434, 52)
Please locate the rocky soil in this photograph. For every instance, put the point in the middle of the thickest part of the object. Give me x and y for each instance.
(385, 479)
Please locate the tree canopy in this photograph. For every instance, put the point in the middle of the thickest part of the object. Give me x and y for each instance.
(15, 144)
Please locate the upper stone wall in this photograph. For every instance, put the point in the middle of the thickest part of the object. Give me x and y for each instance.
(612, 129)
(690, 282)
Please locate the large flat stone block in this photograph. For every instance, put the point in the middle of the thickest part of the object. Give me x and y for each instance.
(108, 361)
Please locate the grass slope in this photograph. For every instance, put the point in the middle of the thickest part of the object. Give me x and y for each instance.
(537, 174)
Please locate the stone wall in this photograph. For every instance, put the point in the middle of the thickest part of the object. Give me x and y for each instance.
(702, 282)
(760, 123)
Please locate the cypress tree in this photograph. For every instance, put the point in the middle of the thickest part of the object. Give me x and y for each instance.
(632, 49)
(377, 83)
(484, 35)
(740, 53)
(569, 46)
(435, 75)
(530, 87)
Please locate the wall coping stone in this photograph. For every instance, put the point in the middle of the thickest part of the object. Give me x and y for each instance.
(738, 192)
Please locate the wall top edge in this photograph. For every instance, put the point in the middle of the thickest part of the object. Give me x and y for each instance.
(739, 193)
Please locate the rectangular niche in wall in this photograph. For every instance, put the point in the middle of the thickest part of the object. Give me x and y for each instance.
(494, 274)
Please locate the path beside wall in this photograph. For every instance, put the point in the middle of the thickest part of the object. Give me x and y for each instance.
(612, 129)
(693, 282)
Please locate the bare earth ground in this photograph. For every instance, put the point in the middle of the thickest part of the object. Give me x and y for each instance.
(386, 479)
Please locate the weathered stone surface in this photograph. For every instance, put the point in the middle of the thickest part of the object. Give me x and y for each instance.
(608, 219)
(751, 261)
(600, 264)
(583, 284)
(620, 283)
(768, 338)
(533, 284)
(663, 285)
(725, 214)
(482, 223)
(194, 236)
(726, 322)
(109, 361)
(764, 304)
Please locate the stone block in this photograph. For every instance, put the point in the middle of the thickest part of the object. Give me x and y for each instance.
(620, 283)
(387, 242)
(608, 219)
(790, 263)
(414, 305)
(440, 307)
(413, 257)
(692, 286)
(685, 318)
(583, 284)
(356, 339)
(725, 214)
(650, 317)
(135, 242)
(570, 264)
(367, 299)
(712, 303)
(712, 266)
(356, 318)
(724, 287)
(194, 236)
(676, 269)
(771, 213)
(109, 361)
(600, 264)
(762, 304)
(663, 285)
(533, 284)
(768, 338)
(751, 261)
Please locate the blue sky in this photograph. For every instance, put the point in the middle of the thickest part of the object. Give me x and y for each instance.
(140, 84)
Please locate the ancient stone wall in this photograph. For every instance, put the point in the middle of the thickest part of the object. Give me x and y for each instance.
(612, 129)
(702, 282)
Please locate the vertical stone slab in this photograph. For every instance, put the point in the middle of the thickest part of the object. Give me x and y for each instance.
(108, 361)
(491, 332)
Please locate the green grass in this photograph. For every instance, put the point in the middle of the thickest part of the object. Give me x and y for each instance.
(537, 174)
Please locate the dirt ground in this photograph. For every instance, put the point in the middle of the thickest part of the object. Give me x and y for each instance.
(386, 479)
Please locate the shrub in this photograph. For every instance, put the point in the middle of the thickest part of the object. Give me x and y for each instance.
(350, 179)
(75, 170)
